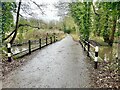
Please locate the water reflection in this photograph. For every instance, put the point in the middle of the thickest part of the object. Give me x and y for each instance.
(17, 49)
(108, 52)
(105, 52)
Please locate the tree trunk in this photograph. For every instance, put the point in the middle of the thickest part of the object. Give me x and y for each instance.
(113, 32)
(3, 20)
(119, 56)
(106, 32)
(16, 27)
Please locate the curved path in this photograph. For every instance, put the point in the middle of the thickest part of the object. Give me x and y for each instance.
(60, 65)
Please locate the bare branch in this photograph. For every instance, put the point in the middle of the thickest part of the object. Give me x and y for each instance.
(17, 20)
(63, 8)
(9, 35)
(19, 14)
(27, 10)
(39, 6)
(94, 10)
(21, 25)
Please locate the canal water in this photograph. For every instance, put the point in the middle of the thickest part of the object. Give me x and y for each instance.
(108, 53)
(105, 52)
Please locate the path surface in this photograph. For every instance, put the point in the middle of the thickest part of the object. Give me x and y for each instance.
(60, 65)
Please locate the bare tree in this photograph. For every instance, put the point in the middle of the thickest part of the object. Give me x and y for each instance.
(63, 8)
(17, 20)
(26, 8)
(39, 6)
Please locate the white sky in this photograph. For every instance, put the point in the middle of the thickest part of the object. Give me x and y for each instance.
(50, 10)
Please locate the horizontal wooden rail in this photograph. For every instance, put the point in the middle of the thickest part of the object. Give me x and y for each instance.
(20, 52)
(32, 45)
(93, 54)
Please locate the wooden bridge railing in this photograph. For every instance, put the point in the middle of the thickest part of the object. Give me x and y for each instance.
(31, 45)
(92, 51)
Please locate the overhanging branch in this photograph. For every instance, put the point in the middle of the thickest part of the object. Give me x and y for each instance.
(20, 25)
(9, 35)
(38, 6)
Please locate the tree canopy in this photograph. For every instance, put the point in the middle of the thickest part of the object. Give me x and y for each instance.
(99, 18)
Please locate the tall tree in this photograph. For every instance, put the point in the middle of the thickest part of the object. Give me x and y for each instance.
(114, 6)
(13, 34)
(81, 14)
(7, 17)
(17, 20)
(106, 31)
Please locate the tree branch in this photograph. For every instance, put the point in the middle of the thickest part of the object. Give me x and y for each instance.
(19, 14)
(94, 10)
(38, 7)
(9, 35)
(21, 25)
(17, 20)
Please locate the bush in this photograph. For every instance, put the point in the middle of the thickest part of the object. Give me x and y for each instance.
(67, 31)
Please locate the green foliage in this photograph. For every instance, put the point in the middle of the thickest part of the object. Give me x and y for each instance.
(7, 21)
(81, 14)
(67, 31)
(99, 18)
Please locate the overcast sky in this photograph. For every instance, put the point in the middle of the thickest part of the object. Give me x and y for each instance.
(50, 10)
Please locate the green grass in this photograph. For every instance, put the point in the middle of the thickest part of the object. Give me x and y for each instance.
(75, 36)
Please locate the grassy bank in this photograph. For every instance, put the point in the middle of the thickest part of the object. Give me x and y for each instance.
(75, 36)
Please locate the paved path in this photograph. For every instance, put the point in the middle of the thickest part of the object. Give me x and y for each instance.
(60, 65)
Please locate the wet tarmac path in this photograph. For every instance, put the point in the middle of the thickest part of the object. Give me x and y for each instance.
(60, 65)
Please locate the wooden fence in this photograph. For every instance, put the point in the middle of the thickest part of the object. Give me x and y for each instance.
(30, 46)
(92, 51)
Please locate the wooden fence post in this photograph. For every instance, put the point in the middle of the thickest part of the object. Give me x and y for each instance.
(96, 57)
(9, 52)
(51, 40)
(88, 49)
(81, 43)
(46, 41)
(39, 43)
(54, 37)
(29, 42)
(84, 45)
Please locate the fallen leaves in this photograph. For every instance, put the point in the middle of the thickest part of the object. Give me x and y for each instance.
(7, 67)
(106, 76)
